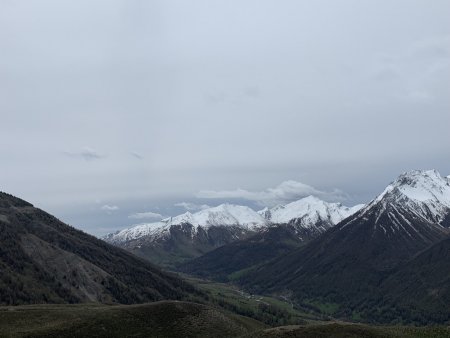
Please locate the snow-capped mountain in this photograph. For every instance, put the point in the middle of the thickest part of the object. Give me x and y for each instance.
(191, 234)
(348, 262)
(308, 212)
(224, 215)
(417, 196)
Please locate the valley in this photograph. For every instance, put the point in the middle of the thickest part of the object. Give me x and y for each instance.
(376, 270)
(347, 266)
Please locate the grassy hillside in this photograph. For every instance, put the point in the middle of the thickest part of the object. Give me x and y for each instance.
(159, 319)
(177, 319)
(340, 330)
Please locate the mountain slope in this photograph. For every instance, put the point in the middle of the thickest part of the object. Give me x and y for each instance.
(349, 261)
(43, 260)
(418, 291)
(226, 262)
(295, 224)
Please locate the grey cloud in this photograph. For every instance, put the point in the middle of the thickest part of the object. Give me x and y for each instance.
(252, 92)
(285, 192)
(215, 97)
(386, 73)
(419, 96)
(415, 71)
(233, 97)
(109, 208)
(189, 206)
(86, 153)
(146, 215)
(436, 47)
(137, 155)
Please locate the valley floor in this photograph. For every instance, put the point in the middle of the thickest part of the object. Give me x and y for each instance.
(269, 310)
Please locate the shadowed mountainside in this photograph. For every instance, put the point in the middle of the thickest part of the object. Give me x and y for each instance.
(227, 262)
(43, 260)
(345, 267)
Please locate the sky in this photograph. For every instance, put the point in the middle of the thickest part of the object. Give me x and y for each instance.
(116, 112)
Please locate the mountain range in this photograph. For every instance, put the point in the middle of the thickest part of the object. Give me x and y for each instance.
(175, 240)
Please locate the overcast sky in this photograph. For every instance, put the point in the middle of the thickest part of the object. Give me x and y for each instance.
(120, 112)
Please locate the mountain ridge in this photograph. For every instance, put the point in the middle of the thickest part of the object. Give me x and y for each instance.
(347, 262)
(187, 236)
(222, 215)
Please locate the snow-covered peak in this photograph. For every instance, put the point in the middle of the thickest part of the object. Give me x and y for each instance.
(157, 229)
(222, 215)
(309, 210)
(422, 186)
(415, 196)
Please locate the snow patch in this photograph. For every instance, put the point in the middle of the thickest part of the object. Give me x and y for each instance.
(310, 210)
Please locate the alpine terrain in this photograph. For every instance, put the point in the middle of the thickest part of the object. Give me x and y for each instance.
(186, 236)
(289, 226)
(177, 239)
(349, 262)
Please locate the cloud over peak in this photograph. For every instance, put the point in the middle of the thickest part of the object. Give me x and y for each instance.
(146, 215)
(109, 208)
(192, 206)
(285, 192)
